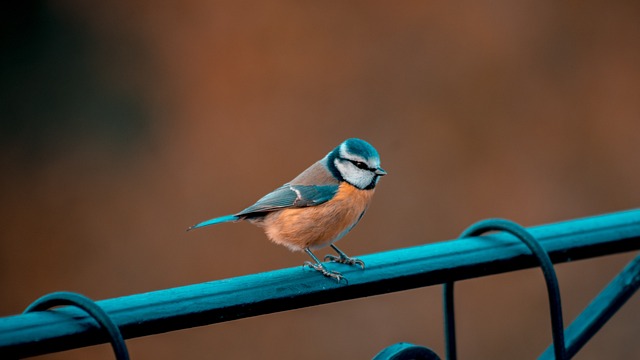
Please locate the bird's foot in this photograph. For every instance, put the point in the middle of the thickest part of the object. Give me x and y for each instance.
(343, 259)
(324, 271)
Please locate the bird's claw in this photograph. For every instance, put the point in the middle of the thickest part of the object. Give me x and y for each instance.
(344, 260)
(324, 271)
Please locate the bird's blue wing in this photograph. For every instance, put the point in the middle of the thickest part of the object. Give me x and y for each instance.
(292, 196)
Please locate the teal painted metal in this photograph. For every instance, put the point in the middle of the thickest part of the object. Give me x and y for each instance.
(551, 280)
(600, 310)
(406, 351)
(63, 298)
(230, 299)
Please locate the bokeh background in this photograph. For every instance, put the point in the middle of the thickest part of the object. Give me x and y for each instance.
(124, 122)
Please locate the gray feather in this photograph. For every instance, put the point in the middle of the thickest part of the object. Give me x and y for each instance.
(291, 196)
(316, 174)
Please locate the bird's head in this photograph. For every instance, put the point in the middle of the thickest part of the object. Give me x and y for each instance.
(356, 162)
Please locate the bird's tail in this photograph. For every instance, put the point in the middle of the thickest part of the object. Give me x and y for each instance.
(218, 220)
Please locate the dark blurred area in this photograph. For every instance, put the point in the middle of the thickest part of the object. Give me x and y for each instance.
(122, 123)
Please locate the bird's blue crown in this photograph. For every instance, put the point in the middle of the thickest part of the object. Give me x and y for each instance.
(361, 148)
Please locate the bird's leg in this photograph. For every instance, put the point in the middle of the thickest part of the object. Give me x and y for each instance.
(321, 268)
(343, 258)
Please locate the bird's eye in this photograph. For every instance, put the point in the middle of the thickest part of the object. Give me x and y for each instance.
(360, 165)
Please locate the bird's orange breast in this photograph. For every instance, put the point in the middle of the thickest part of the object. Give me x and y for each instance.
(318, 226)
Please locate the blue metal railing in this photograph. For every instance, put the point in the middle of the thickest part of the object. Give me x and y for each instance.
(553, 288)
(601, 309)
(41, 332)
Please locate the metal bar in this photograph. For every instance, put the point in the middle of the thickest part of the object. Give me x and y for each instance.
(600, 310)
(91, 308)
(404, 350)
(551, 280)
(251, 295)
(448, 307)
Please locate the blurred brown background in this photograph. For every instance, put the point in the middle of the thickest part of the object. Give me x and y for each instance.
(124, 122)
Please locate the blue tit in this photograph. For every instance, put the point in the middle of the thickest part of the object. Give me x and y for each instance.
(319, 206)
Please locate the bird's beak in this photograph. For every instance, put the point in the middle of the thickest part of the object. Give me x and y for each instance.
(380, 172)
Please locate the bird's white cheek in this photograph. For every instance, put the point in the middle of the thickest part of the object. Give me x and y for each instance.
(357, 177)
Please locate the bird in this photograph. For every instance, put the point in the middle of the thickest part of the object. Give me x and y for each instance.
(319, 206)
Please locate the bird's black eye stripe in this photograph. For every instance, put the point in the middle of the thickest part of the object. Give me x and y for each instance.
(360, 165)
